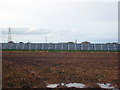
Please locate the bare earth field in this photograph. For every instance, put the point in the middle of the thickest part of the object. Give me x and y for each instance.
(25, 69)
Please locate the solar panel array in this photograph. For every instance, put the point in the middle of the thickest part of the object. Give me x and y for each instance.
(59, 46)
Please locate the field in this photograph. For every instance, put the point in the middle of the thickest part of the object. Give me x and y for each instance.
(37, 69)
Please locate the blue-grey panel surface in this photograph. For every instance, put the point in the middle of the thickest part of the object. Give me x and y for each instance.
(71, 46)
(52, 46)
(7, 46)
(111, 47)
(39, 46)
(3, 45)
(13, 46)
(85, 46)
(118, 47)
(26, 46)
(104, 47)
(0, 46)
(33, 46)
(19, 46)
(65, 46)
(98, 46)
(60, 46)
(91, 46)
(78, 46)
(46, 46)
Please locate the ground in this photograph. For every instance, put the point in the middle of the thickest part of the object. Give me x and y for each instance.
(36, 69)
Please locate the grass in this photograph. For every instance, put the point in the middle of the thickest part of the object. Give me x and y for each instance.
(62, 50)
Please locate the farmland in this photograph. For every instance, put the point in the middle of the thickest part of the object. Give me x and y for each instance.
(36, 69)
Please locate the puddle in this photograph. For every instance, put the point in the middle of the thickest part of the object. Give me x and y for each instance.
(106, 85)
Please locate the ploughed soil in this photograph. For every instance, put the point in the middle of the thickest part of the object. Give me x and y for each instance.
(25, 69)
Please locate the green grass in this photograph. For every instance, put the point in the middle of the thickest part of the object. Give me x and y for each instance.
(63, 50)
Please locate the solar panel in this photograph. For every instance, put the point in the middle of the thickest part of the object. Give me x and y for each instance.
(3, 45)
(98, 46)
(13, 46)
(85, 46)
(78, 46)
(59, 46)
(45, 46)
(32, 46)
(52, 46)
(104, 47)
(39, 46)
(118, 47)
(65, 46)
(91, 46)
(7, 46)
(26, 46)
(111, 47)
(115, 47)
(19, 46)
(0, 46)
(71, 46)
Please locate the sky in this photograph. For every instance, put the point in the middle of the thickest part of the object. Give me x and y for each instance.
(95, 21)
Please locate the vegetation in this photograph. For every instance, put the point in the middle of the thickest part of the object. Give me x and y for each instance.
(62, 50)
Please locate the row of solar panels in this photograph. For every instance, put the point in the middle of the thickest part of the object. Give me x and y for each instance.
(59, 46)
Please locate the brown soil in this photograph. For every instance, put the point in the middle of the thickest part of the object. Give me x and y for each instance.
(37, 69)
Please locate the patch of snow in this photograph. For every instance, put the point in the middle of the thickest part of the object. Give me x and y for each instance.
(62, 84)
(105, 85)
(52, 85)
(76, 85)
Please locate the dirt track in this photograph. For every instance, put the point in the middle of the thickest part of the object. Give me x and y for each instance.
(37, 69)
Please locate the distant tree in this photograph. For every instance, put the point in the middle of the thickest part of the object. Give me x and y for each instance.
(108, 43)
(70, 42)
(20, 42)
(10, 42)
(85, 42)
(114, 43)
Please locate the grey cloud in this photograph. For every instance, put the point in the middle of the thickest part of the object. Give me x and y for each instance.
(24, 31)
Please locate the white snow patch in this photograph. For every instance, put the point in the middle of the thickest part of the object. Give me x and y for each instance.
(105, 85)
(63, 84)
(52, 85)
(76, 85)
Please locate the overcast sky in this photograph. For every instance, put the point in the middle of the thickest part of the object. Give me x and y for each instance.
(59, 20)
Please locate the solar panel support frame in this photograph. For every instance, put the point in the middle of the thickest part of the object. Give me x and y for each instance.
(88, 47)
(75, 46)
(17, 45)
(62, 47)
(49, 47)
(23, 46)
(42, 46)
(81, 47)
(10, 46)
(94, 47)
(101, 47)
(29, 46)
(68, 46)
(4, 46)
(36, 46)
(55, 45)
(108, 47)
(114, 47)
